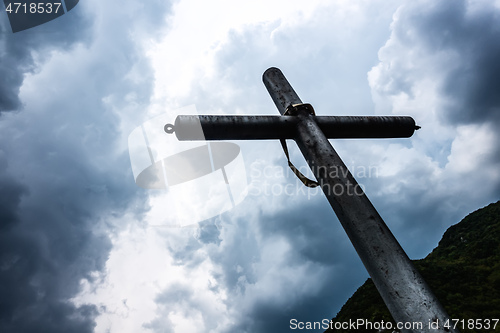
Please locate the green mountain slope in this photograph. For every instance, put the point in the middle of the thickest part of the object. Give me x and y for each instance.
(463, 271)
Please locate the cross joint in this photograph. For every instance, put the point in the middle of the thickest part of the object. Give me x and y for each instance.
(296, 109)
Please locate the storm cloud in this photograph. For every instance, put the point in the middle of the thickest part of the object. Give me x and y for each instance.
(23, 53)
(438, 66)
(62, 160)
(459, 42)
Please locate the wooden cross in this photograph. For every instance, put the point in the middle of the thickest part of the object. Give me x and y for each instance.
(406, 294)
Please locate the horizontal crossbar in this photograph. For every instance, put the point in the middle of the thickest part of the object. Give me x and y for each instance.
(215, 127)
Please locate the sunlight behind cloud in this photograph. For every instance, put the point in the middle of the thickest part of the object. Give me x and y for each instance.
(199, 28)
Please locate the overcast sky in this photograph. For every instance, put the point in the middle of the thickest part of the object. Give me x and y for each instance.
(81, 246)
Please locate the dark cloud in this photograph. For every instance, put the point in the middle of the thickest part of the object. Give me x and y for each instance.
(46, 247)
(64, 171)
(319, 246)
(11, 192)
(312, 260)
(24, 52)
(314, 230)
(468, 34)
(440, 66)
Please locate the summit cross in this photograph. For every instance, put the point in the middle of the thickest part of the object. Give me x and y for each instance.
(404, 291)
